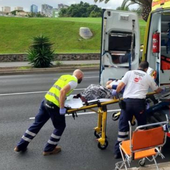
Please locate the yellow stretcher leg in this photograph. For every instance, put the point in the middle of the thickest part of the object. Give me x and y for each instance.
(99, 123)
(101, 128)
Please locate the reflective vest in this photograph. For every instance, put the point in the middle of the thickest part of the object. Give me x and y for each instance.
(54, 92)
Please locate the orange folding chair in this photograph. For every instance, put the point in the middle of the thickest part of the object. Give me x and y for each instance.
(145, 143)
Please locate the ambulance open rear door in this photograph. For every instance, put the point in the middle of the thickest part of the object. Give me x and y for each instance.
(120, 44)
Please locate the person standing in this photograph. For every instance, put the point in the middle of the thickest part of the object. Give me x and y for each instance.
(136, 84)
(52, 106)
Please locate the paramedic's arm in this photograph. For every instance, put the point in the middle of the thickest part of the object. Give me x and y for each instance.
(120, 86)
(154, 87)
(63, 93)
(123, 82)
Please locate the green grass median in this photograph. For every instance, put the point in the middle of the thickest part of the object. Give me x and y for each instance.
(17, 33)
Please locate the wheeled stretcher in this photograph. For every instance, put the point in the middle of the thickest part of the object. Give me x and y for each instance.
(100, 129)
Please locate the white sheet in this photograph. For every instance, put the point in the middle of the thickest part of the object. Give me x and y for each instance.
(76, 103)
(73, 103)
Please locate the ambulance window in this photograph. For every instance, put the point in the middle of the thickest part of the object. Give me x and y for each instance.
(120, 41)
(120, 46)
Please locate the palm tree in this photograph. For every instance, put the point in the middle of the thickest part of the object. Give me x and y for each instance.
(144, 4)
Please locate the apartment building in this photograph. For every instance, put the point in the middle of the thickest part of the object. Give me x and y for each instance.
(34, 8)
(47, 10)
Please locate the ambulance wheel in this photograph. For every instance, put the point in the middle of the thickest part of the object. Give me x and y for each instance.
(115, 117)
(103, 147)
(141, 162)
(97, 134)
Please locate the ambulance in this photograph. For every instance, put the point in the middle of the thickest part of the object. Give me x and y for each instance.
(120, 44)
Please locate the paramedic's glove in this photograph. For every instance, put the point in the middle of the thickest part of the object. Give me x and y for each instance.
(63, 111)
(114, 93)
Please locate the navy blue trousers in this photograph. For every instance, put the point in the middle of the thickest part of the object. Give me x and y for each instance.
(44, 114)
(134, 107)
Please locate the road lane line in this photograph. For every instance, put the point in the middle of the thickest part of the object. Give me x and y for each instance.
(83, 77)
(84, 113)
(34, 92)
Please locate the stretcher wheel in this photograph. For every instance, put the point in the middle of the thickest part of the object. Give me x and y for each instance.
(97, 134)
(103, 147)
(115, 117)
(133, 123)
(141, 162)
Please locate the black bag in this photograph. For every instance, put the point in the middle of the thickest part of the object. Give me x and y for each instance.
(122, 103)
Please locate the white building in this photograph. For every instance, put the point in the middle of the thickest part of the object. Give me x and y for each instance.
(18, 8)
(6, 9)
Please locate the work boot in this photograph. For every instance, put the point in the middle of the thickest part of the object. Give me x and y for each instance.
(17, 149)
(55, 151)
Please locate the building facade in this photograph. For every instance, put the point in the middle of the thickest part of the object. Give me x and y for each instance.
(6, 9)
(47, 10)
(34, 8)
(18, 8)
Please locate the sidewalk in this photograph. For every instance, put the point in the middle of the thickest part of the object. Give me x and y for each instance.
(72, 62)
(8, 68)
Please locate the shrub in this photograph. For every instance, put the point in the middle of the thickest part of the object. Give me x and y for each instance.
(40, 53)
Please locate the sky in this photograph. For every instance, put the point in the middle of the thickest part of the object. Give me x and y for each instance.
(113, 4)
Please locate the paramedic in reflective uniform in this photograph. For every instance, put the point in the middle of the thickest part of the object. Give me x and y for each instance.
(136, 83)
(52, 107)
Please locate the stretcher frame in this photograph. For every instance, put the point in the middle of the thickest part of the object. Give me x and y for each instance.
(100, 129)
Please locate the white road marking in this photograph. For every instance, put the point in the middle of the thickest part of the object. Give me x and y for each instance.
(84, 77)
(33, 92)
(84, 113)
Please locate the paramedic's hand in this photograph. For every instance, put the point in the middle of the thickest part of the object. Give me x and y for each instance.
(114, 93)
(63, 111)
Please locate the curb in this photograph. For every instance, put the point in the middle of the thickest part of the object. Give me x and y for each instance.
(162, 166)
(65, 68)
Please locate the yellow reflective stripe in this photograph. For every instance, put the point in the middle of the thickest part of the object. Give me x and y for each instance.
(54, 90)
(57, 87)
(52, 94)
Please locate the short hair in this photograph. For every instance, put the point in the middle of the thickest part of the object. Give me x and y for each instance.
(144, 65)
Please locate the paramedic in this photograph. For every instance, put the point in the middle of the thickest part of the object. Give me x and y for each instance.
(136, 83)
(52, 106)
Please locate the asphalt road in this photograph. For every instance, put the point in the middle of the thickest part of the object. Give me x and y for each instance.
(20, 96)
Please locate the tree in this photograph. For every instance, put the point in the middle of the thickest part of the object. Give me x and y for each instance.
(40, 53)
(145, 5)
(81, 10)
(15, 11)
